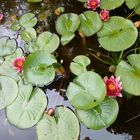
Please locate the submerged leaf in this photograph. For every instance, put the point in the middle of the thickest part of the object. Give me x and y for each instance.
(63, 126)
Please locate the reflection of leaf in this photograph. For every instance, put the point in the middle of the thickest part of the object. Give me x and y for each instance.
(7, 46)
(117, 34)
(28, 107)
(63, 126)
(38, 68)
(130, 74)
(90, 23)
(100, 116)
(28, 20)
(83, 92)
(110, 4)
(8, 91)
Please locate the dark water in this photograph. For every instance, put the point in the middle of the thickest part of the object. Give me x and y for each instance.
(127, 125)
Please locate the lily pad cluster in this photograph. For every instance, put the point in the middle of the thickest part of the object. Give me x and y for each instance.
(92, 106)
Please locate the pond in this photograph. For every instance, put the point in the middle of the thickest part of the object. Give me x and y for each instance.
(127, 125)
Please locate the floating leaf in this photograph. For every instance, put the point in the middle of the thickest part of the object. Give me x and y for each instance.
(82, 0)
(38, 68)
(130, 74)
(7, 46)
(67, 23)
(31, 47)
(100, 116)
(110, 4)
(8, 91)
(63, 126)
(132, 3)
(48, 41)
(28, 20)
(137, 9)
(15, 26)
(84, 91)
(79, 64)
(67, 37)
(117, 34)
(28, 34)
(28, 108)
(90, 23)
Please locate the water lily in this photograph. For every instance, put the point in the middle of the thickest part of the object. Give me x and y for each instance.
(1, 17)
(113, 86)
(93, 4)
(104, 15)
(18, 64)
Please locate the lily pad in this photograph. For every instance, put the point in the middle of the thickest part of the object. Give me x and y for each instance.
(48, 41)
(79, 64)
(100, 116)
(82, 0)
(15, 26)
(90, 23)
(67, 23)
(38, 68)
(130, 74)
(63, 126)
(132, 3)
(8, 91)
(28, 108)
(28, 20)
(84, 91)
(7, 46)
(117, 34)
(31, 47)
(110, 4)
(28, 34)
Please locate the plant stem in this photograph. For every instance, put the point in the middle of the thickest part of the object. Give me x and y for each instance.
(133, 118)
(120, 57)
(135, 49)
(131, 14)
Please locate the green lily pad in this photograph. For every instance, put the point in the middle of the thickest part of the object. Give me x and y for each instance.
(90, 23)
(28, 34)
(79, 64)
(28, 20)
(67, 37)
(48, 41)
(8, 91)
(28, 107)
(137, 9)
(132, 3)
(63, 126)
(84, 91)
(82, 0)
(38, 68)
(31, 47)
(110, 4)
(15, 26)
(130, 74)
(117, 34)
(67, 23)
(7, 46)
(100, 116)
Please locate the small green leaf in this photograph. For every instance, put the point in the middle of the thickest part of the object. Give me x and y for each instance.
(82, 0)
(28, 107)
(48, 41)
(15, 26)
(83, 92)
(28, 20)
(8, 91)
(100, 116)
(90, 23)
(63, 126)
(7, 46)
(117, 34)
(31, 47)
(137, 9)
(132, 3)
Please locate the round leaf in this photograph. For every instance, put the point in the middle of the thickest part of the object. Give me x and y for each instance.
(63, 126)
(48, 41)
(100, 116)
(28, 108)
(28, 34)
(28, 20)
(110, 4)
(84, 91)
(7, 46)
(137, 9)
(117, 34)
(130, 74)
(90, 23)
(38, 68)
(132, 3)
(15, 26)
(67, 23)
(8, 91)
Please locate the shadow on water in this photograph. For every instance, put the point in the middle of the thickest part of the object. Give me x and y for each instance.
(127, 125)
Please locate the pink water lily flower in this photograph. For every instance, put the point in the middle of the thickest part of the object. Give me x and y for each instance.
(104, 15)
(113, 86)
(1, 17)
(93, 4)
(18, 64)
